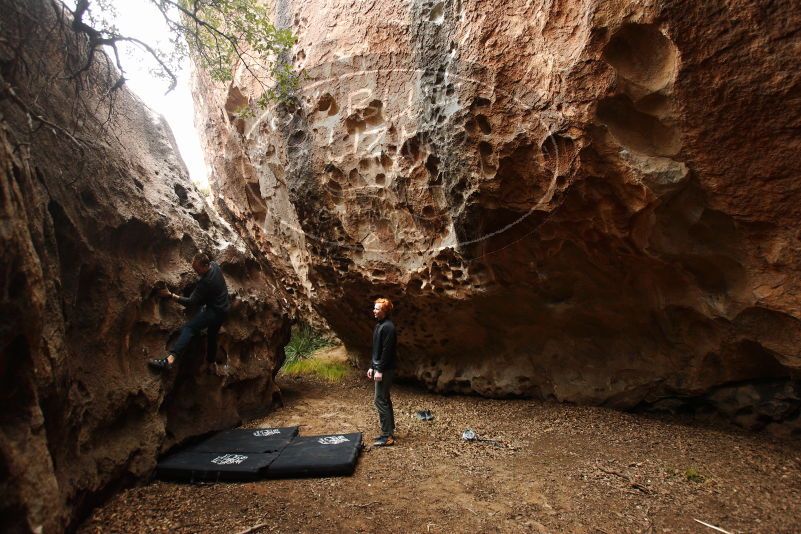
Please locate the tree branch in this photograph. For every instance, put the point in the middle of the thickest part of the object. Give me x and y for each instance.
(8, 90)
(216, 32)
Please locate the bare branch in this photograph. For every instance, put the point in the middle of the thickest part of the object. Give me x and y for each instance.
(8, 90)
(149, 49)
(219, 34)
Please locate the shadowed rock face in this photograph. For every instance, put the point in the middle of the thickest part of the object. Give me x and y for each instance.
(587, 201)
(85, 236)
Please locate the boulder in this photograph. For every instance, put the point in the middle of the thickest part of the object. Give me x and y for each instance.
(97, 213)
(592, 202)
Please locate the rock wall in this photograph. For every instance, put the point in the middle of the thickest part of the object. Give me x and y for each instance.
(583, 200)
(89, 228)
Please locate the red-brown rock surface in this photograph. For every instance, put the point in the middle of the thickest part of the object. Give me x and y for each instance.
(85, 235)
(589, 201)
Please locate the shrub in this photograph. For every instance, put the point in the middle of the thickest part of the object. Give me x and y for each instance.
(693, 475)
(304, 341)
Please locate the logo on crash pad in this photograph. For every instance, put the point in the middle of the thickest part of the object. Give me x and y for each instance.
(332, 440)
(229, 459)
(266, 432)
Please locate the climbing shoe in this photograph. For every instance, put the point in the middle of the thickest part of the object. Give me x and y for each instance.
(160, 364)
(424, 415)
(384, 441)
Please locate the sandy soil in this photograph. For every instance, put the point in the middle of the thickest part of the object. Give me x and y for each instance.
(558, 468)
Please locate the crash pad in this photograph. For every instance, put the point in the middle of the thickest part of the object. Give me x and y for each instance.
(247, 440)
(318, 456)
(214, 466)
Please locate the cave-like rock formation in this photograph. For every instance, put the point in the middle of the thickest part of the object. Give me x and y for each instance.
(588, 201)
(88, 228)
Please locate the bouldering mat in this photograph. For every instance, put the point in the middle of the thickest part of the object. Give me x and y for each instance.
(318, 456)
(213, 466)
(247, 440)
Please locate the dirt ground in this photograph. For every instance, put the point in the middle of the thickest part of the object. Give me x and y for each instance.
(557, 468)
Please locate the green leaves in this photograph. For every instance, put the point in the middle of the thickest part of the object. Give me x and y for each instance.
(223, 35)
(304, 341)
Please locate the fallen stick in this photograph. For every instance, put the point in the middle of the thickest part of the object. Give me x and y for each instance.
(369, 504)
(713, 527)
(609, 472)
(634, 485)
(641, 488)
(254, 528)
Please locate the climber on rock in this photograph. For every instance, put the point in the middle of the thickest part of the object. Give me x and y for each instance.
(382, 370)
(212, 294)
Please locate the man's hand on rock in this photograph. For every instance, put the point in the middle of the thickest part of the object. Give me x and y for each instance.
(370, 373)
(164, 292)
(378, 376)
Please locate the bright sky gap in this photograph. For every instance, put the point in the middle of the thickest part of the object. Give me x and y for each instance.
(142, 20)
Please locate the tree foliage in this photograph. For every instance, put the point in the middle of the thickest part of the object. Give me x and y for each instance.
(218, 34)
(49, 45)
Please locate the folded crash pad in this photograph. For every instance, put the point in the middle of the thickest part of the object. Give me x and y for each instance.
(247, 440)
(311, 456)
(213, 466)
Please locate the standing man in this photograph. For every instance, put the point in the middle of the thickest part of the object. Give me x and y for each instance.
(382, 370)
(210, 292)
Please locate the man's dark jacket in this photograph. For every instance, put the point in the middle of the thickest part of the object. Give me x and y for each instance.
(384, 342)
(210, 290)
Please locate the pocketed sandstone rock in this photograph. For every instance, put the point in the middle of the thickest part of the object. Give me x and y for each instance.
(88, 231)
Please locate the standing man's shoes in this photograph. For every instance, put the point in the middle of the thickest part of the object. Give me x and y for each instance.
(160, 364)
(384, 441)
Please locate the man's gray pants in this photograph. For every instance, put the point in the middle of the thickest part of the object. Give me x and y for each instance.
(383, 403)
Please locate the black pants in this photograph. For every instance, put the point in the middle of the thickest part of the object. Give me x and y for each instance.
(383, 403)
(207, 318)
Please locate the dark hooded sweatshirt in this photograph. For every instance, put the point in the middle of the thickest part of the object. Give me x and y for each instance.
(384, 342)
(210, 290)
